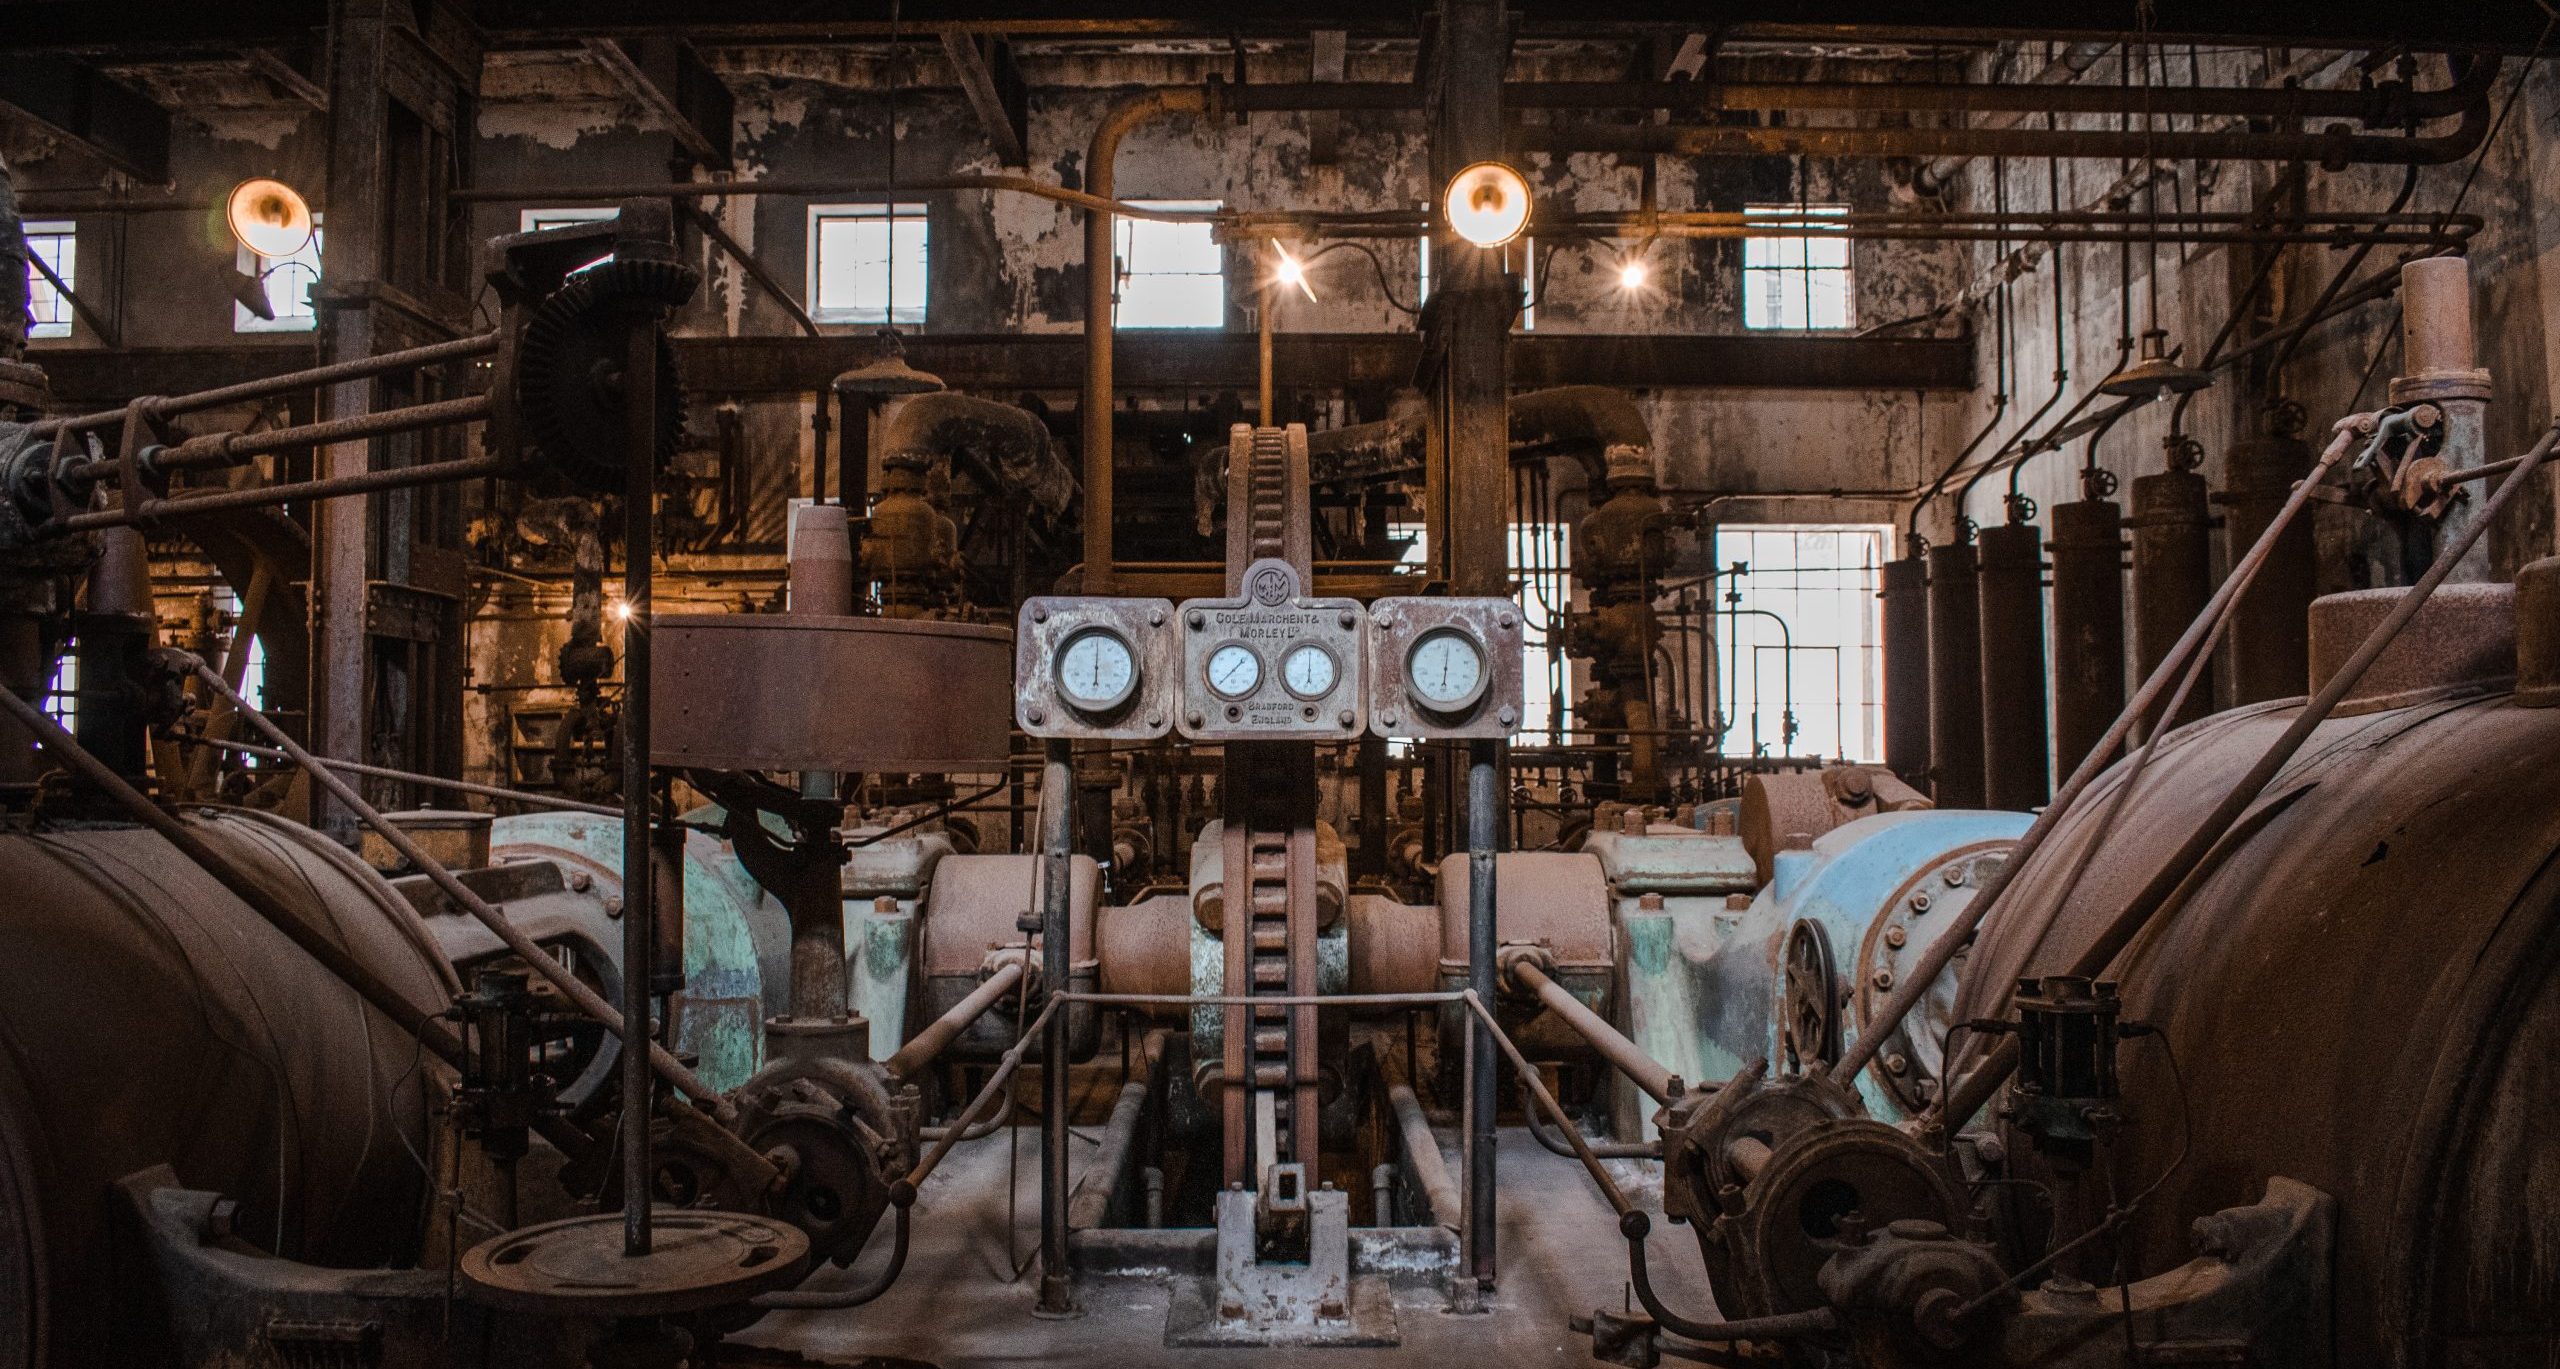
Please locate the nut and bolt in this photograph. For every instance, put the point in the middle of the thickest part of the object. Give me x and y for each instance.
(580, 881)
(1919, 903)
(1040, 613)
(1884, 979)
(1198, 621)
(1193, 717)
(1033, 716)
(1895, 936)
(1344, 717)
(1955, 876)
(1155, 617)
(1346, 620)
(1897, 1064)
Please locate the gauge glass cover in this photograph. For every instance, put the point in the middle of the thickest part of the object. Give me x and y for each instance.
(1234, 670)
(1445, 670)
(1309, 672)
(1097, 671)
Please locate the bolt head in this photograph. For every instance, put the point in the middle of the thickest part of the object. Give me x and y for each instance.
(1034, 716)
(1155, 720)
(1919, 903)
(1884, 979)
(580, 881)
(1506, 622)
(1895, 937)
(1192, 717)
(613, 905)
(1955, 876)
(1155, 617)
(1344, 717)
(1197, 621)
(1507, 716)
(1387, 721)
(1897, 1064)
(1346, 619)
(1040, 613)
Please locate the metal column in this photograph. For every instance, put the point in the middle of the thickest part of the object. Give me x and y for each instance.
(1906, 668)
(1484, 834)
(639, 903)
(1955, 678)
(2088, 625)
(2172, 575)
(2011, 598)
(1472, 343)
(2271, 624)
(1057, 826)
(2440, 366)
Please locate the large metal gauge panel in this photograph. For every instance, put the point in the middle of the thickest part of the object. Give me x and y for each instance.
(1272, 664)
(1444, 668)
(1092, 669)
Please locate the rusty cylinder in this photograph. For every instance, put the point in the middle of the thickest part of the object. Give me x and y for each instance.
(2172, 575)
(1955, 678)
(2088, 625)
(2011, 594)
(2270, 639)
(1906, 668)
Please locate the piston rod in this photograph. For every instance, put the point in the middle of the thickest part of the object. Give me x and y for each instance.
(1645, 1072)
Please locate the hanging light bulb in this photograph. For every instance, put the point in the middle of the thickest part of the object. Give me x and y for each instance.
(1632, 274)
(1487, 204)
(1292, 271)
(268, 217)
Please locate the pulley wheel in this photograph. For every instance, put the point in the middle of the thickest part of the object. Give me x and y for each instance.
(697, 1260)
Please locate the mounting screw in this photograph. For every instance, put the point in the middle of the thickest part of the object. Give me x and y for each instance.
(1897, 1064)
(580, 881)
(1387, 721)
(1920, 903)
(1955, 876)
(1895, 936)
(1346, 619)
(1155, 617)
(1505, 622)
(1196, 620)
(1155, 720)
(613, 905)
(1884, 979)
(1192, 717)
(1506, 715)
(1343, 717)
(1040, 613)
(1034, 716)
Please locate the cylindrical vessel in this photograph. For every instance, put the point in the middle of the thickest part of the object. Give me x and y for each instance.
(1906, 668)
(2360, 997)
(2088, 626)
(152, 1019)
(2172, 575)
(1955, 678)
(2269, 644)
(2011, 594)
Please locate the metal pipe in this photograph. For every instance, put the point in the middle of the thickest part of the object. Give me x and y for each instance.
(383, 772)
(1537, 1087)
(830, 185)
(1484, 834)
(639, 906)
(1906, 668)
(1057, 883)
(1556, 1144)
(837, 1299)
(1786, 1325)
(214, 450)
(416, 1021)
(903, 1191)
(1955, 677)
(1101, 272)
(1629, 1059)
(162, 406)
(937, 1036)
(331, 487)
(1956, 938)
(1422, 1149)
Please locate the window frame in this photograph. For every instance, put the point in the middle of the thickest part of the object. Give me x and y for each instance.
(249, 262)
(1125, 234)
(894, 310)
(65, 262)
(1803, 267)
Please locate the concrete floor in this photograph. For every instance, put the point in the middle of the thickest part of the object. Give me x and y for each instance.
(1560, 1251)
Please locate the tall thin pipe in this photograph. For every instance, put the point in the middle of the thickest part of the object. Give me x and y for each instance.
(1057, 871)
(1484, 834)
(639, 905)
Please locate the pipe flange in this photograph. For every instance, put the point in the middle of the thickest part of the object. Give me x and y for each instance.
(2434, 386)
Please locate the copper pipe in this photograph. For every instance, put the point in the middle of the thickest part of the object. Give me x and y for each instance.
(1629, 1059)
(1100, 269)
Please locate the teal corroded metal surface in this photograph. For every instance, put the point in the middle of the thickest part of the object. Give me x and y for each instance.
(736, 943)
(884, 942)
(1705, 971)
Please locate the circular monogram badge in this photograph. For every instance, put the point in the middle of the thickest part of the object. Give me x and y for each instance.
(1268, 586)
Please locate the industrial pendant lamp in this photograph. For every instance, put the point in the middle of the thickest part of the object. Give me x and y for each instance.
(1487, 204)
(2154, 375)
(268, 217)
(888, 373)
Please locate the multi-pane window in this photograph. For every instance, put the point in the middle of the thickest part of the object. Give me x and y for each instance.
(1807, 640)
(288, 282)
(535, 220)
(867, 263)
(57, 246)
(1172, 275)
(1797, 280)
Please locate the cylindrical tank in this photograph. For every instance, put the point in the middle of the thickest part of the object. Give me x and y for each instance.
(2014, 772)
(2088, 626)
(1955, 678)
(1906, 668)
(2172, 575)
(152, 1018)
(2268, 641)
(2362, 996)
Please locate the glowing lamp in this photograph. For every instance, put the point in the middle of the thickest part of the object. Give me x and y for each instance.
(268, 217)
(1487, 204)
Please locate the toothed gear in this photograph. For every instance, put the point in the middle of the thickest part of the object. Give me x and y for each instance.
(571, 344)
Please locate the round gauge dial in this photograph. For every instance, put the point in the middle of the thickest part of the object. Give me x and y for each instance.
(1445, 669)
(1309, 672)
(1097, 672)
(1234, 670)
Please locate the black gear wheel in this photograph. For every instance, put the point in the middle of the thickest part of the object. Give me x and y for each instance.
(568, 410)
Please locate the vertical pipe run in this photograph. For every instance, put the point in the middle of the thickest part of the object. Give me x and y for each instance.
(2088, 624)
(2440, 366)
(1955, 677)
(1057, 823)
(2172, 576)
(1906, 668)
(2011, 598)
(1484, 833)
(2271, 624)
(639, 535)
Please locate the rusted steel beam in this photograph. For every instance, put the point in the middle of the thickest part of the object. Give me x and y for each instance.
(987, 76)
(663, 75)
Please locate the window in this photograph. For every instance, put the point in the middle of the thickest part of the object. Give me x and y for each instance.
(535, 220)
(867, 263)
(1528, 279)
(1172, 275)
(57, 246)
(289, 282)
(1807, 641)
(1800, 281)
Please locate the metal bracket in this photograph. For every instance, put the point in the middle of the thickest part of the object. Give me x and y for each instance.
(1257, 1302)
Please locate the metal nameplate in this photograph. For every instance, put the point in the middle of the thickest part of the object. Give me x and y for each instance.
(1307, 663)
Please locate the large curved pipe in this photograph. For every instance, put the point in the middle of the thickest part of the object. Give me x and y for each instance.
(1100, 160)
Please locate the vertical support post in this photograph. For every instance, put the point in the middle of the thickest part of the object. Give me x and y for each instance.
(1484, 833)
(1263, 300)
(639, 534)
(1474, 408)
(1057, 869)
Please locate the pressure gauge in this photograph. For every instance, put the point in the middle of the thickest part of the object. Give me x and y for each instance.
(1234, 670)
(1097, 672)
(1309, 672)
(1445, 669)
